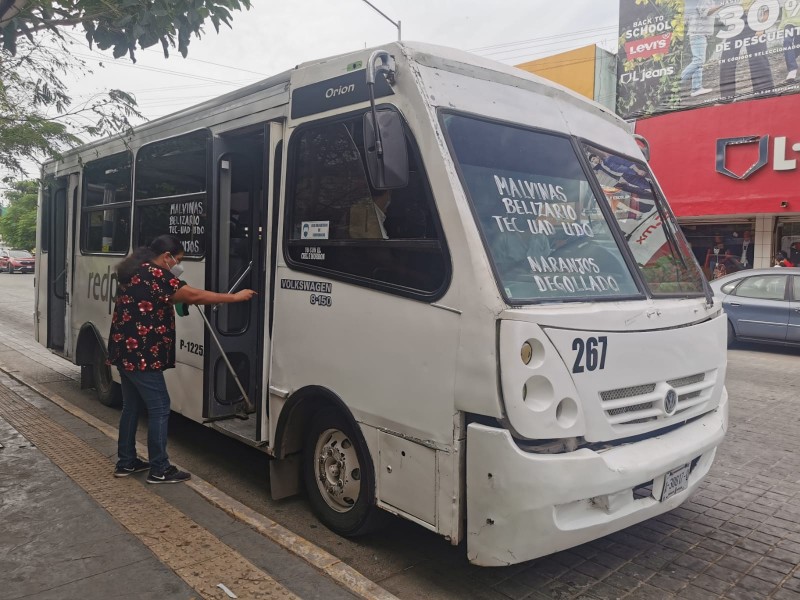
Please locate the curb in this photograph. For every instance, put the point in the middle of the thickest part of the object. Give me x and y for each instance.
(323, 561)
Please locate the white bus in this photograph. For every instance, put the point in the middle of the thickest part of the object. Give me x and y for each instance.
(458, 322)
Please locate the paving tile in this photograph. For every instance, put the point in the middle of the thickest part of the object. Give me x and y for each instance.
(755, 585)
(668, 583)
(692, 592)
(776, 565)
(712, 584)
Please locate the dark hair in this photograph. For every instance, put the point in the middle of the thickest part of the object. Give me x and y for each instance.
(781, 255)
(163, 243)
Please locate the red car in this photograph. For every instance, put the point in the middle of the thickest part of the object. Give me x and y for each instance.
(20, 261)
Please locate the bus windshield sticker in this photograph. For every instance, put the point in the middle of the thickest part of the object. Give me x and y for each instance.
(314, 230)
(187, 222)
(312, 253)
(537, 213)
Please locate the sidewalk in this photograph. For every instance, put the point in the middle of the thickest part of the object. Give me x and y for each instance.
(68, 529)
(58, 543)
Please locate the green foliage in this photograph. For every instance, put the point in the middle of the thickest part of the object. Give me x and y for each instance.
(37, 115)
(121, 24)
(38, 118)
(18, 222)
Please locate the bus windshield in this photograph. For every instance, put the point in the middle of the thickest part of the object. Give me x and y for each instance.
(541, 222)
(656, 241)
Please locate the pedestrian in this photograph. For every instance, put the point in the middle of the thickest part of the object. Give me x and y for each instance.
(141, 345)
(781, 260)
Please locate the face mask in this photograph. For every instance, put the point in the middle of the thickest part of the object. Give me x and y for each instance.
(176, 269)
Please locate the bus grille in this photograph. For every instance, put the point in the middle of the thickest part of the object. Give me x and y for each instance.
(643, 403)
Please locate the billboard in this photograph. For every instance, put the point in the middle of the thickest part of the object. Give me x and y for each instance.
(676, 54)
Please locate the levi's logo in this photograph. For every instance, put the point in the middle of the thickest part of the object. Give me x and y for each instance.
(740, 163)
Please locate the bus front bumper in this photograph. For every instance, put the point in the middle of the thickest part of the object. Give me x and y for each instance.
(522, 505)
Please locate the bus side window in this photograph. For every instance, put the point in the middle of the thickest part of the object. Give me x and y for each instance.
(106, 205)
(379, 237)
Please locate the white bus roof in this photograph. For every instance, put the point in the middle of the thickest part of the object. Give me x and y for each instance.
(274, 91)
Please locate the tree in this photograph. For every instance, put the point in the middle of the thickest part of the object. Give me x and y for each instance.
(37, 115)
(18, 221)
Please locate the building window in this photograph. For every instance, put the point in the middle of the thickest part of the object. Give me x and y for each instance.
(171, 191)
(106, 208)
(338, 224)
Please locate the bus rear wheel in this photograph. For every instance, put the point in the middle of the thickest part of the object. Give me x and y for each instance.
(108, 391)
(337, 474)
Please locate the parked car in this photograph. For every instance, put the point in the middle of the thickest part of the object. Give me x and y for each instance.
(20, 261)
(763, 305)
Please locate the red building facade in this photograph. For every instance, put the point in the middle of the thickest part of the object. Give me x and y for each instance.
(732, 175)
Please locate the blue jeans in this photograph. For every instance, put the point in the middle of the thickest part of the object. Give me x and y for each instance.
(694, 69)
(144, 389)
(791, 41)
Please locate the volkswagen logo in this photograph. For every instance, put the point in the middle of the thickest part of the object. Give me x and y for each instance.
(670, 403)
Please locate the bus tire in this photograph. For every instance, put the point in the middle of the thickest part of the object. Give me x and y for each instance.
(108, 391)
(337, 475)
(731, 335)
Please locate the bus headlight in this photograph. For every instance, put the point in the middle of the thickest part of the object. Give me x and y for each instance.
(539, 394)
(526, 353)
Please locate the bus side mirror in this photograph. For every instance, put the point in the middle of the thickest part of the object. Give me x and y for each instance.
(385, 148)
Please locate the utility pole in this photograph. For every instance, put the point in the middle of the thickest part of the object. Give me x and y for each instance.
(381, 13)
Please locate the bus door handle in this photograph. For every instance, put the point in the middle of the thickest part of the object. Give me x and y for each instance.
(237, 282)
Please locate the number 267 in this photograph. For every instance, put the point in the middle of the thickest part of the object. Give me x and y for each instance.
(591, 354)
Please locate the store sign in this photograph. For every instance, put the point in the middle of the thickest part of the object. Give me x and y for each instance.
(780, 160)
(725, 143)
(741, 157)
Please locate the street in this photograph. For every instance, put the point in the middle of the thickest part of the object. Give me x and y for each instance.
(739, 537)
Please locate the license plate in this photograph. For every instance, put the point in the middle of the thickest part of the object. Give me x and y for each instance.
(675, 481)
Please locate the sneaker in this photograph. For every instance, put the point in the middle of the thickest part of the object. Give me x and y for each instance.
(700, 92)
(138, 465)
(171, 475)
(791, 75)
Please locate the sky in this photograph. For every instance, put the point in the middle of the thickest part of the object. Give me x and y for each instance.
(274, 36)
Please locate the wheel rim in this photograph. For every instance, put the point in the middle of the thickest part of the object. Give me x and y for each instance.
(338, 472)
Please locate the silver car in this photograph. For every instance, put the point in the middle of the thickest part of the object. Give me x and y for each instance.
(763, 305)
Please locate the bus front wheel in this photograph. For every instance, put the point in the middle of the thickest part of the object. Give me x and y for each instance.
(338, 479)
(108, 391)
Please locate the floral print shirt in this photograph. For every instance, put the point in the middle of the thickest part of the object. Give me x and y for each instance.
(142, 336)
